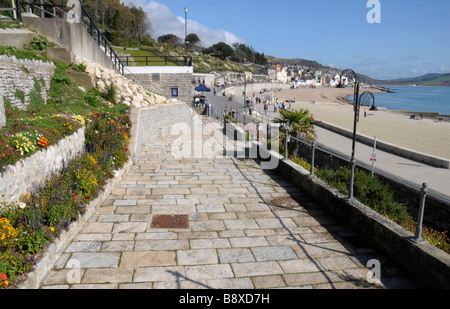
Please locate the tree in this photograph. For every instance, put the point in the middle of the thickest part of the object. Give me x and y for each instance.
(247, 53)
(220, 50)
(192, 39)
(170, 39)
(131, 23)
(298, 124)
(141, 25)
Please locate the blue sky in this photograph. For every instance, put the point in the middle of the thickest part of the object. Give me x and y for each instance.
(412, 39)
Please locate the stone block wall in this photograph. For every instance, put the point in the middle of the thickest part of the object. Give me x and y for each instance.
(30, 172)
(2, 111)
(22, 78)
(165, 82)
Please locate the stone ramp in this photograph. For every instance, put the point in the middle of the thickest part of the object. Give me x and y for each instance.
(222, 222)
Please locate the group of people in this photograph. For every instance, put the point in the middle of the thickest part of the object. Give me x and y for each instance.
(413, 116)
(277, 106)
(200, 101)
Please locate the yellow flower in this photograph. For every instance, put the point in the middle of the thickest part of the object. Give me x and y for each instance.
(52, 229)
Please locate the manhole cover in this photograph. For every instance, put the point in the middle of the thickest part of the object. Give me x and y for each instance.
(285, 202)
(170, 222)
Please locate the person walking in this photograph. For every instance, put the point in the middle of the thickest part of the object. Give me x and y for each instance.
(266, 106)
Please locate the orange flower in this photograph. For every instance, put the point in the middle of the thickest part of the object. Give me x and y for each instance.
(3, 276)
(43, 142)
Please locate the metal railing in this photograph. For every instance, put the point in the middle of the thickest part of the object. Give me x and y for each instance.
(43, 8)
(98, 36)
(46, 9)
(424, 191)
(159, 60)
(241, 117)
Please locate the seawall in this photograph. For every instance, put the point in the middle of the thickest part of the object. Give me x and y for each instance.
(423, 261)
(391, 148)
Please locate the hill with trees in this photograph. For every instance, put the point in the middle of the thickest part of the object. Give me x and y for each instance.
(434, 79)
(122, 25)
(130, 27)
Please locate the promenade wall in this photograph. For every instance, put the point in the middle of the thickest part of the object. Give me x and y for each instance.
(423, 261)
(391, 148)
(238, 90)
(437, 212)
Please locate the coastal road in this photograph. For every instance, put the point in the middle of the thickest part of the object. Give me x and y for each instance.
(412, 172)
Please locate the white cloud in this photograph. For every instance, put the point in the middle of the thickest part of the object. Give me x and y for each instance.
(164, 22)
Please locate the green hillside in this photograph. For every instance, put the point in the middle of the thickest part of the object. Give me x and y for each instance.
(201, 62)
(438, 80)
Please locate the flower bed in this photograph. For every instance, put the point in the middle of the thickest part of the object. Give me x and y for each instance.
(45, 215)
(39, 217)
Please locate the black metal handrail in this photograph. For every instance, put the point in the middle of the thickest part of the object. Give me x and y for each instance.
(97, 35)
(42, 5)
(158, 60)
(86, 21)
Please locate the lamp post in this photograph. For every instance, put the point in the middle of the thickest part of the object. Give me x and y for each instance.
(245, 92)
(365, 100)
(185, 35)
(350, 73)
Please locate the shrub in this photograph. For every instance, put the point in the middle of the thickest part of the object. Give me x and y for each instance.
(377, 195)
(110, 93)
(369, 190)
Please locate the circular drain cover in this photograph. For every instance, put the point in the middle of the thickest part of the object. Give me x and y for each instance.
(285, 202)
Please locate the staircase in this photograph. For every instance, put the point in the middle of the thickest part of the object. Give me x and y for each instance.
(62, 24)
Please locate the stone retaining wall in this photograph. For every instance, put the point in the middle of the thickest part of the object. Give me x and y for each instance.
(2, 111)
(129, 92)
(22, 78)
(30, 172)
(165, 82)
(53, 251)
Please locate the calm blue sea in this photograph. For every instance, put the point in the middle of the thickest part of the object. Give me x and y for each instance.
(417, 99)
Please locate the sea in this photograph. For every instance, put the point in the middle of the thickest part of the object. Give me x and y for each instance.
(415, 99)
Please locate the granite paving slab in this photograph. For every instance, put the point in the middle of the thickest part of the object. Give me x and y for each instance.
(229, 234)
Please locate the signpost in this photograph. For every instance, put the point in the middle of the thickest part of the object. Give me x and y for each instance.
(373, 156)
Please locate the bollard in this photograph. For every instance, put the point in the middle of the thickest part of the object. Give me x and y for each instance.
(312, 157)
(423, 195)
(286, 136)
(352, 179)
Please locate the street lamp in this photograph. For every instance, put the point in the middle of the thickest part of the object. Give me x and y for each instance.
(185, 34)
(351, 74)
(358, 100)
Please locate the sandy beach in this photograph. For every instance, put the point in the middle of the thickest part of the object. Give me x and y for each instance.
(427, 135)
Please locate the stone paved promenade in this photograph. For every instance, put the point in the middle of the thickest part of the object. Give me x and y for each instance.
(210, 223)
